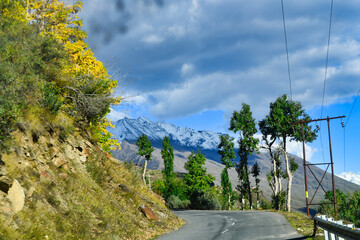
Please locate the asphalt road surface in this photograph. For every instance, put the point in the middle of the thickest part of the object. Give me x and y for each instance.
(208, 225)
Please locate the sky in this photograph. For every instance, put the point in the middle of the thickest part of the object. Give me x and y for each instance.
(193, 62)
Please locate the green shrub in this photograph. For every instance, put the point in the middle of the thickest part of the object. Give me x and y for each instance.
(174, 202)
(204, 200)
(51, 98)
(348, 206)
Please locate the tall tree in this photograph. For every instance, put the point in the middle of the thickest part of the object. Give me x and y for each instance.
(167, 154)
(275, 175)
(284, 112)
(255, 171)
(145, 150)
(244, 123)
(226, 150)
(197, 178)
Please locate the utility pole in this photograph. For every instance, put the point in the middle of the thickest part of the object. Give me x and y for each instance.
(307, 165)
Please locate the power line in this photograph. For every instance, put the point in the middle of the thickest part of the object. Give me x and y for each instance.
(286, 46)
(327, 57)
(325, 75)
(352, 108)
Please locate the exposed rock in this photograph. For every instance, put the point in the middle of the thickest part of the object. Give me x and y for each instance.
(63, 175)
(83, 159)
(30, 192)
(146, 210)
(45, 175)
(160, 198)
(124, 188)
(16, 197)
(161, 214)
(58, 162)
(88, 143)
(5, 184)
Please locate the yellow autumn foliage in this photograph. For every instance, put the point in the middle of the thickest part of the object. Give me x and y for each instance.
(60, 20)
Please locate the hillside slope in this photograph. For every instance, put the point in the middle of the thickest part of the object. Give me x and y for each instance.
(56, 184)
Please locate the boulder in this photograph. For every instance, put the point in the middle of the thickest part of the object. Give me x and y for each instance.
(58, 162)
(16, 197)
(146, 210)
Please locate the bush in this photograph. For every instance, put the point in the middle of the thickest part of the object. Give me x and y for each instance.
(204, 200)
(348, 206)
(174, 202)
(51, 98)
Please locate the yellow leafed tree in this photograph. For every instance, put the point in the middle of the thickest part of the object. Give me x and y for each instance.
(86, 86)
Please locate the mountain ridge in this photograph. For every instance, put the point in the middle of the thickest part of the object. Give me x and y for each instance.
(184, 146)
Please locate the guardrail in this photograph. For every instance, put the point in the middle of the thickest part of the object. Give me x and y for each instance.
(335, 230)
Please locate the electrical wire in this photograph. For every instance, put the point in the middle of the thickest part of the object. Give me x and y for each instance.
(325, 75)
(327, 57)
(352, 108)
(286, 46)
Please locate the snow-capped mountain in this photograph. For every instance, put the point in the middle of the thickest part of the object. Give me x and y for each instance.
(131, 129)
(351, 177)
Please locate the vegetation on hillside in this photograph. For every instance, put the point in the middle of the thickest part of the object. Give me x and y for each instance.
(348, 206)
(45, 64)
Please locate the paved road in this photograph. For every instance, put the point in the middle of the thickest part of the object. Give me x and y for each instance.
(209, 225)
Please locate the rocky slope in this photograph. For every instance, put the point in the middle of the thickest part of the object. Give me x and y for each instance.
(56, 184)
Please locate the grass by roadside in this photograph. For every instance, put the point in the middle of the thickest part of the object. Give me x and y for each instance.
(303, 224)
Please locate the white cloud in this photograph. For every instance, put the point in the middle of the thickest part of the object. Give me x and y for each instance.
(187, 69)
(115, 115)
(152, 39)
(351, 177)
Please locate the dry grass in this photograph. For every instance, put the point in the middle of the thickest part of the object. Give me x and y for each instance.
(81, 202)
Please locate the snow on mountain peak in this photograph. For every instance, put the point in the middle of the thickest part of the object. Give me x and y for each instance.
(351, 177)
(131, 129)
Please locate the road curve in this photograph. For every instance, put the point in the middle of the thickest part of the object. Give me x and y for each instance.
(208, 225)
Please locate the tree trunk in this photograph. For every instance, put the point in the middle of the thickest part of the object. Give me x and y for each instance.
(229, 201)
(289, 192)
(144, 171)
(290, 177)
(249, 188)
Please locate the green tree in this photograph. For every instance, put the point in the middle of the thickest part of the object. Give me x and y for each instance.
(255, 171)
(348, 206)
(197, 178)
(145, 150)
(226, 150)
(167, 154)
(280, 125)
(244, 123)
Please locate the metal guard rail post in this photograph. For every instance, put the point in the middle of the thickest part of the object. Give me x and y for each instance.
(340, 230)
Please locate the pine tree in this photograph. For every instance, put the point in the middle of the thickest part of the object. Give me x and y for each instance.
(197, 178)
(145, 150)
(255, 171)
(243, 121)
(226, 150)
(167, 154)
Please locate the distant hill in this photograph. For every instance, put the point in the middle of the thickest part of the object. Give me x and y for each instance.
(186, 140)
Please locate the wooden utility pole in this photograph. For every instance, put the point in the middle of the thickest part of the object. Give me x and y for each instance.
(307, 165)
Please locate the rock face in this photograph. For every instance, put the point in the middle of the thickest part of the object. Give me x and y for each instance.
(148, 212)
(16, 197)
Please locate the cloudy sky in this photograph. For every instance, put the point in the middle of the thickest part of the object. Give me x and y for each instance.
(193, 62)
